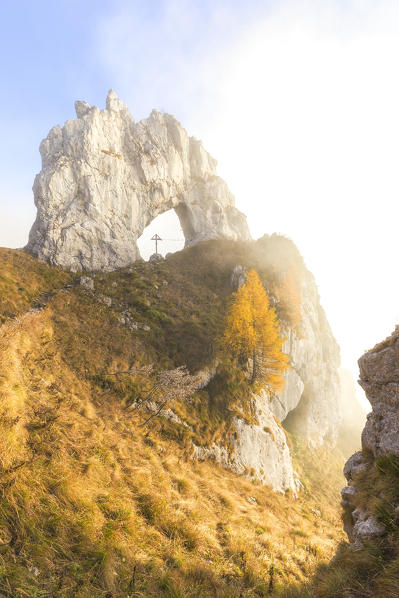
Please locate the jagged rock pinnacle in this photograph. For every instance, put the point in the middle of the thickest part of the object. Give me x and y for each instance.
(104, 178)
(113, 102)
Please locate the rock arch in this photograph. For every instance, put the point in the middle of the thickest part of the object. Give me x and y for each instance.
(104, 178)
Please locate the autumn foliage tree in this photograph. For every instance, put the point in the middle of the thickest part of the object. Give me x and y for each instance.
(252, 332)
(285, 287)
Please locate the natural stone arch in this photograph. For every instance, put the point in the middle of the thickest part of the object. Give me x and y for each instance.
(104, 178)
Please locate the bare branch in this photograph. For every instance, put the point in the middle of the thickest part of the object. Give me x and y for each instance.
(167, 387)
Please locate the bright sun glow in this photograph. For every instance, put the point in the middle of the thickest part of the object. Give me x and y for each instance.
(300, 108)
(306, 136)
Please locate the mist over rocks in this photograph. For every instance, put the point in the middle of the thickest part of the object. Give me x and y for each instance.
(104, 178)
(310, 402)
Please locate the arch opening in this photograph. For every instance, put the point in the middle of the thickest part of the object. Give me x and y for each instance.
(167, 226)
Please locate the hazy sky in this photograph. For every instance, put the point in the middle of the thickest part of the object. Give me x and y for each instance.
(298, 101)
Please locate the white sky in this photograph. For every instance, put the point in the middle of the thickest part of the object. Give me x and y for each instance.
(302, 113)
(299, 102)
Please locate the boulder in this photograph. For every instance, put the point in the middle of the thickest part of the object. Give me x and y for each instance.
(87, 283)
(156, 258)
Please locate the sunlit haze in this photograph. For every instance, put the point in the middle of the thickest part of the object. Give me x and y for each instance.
(298, 101)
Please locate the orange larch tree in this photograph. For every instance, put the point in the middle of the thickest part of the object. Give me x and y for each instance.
(252, 332)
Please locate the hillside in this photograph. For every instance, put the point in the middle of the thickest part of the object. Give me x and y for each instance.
(94, 503)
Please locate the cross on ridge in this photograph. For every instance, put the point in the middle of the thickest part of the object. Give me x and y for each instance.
(156, 238)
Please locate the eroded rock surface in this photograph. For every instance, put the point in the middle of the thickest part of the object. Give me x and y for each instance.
(379, 377)
(310, 402)
(104, 178)
(259, 451)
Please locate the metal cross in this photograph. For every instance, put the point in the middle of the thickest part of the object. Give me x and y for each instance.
(156, 238)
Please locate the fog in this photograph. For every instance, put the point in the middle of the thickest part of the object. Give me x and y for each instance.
(300, 110)
(298, 101)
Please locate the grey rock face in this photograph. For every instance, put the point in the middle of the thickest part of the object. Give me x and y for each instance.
(366, 527)
(309, 402)
(104, 178)
(354, 465)
(352, 515)
(310, 399)
(379, 376)
(238, 277)
(258, 451)
(263, 448)
(281, 405)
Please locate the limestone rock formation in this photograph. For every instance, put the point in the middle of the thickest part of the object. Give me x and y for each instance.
(379, 377)
(259, 451)
(310, 401)
(104, 178)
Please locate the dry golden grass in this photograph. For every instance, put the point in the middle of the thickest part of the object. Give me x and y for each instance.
(94, 505)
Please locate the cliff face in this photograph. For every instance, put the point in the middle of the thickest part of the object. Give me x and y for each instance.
(104, 178)
(379, 377)
(310, 401)
(309, 405)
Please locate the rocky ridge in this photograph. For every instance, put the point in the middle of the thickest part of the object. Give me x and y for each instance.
(310, 400)
(104, 178)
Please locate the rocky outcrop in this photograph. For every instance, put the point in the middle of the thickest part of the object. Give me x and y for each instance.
(259, 451)
(104, 178)
(310, 401)
(379, 377)
(238, 277)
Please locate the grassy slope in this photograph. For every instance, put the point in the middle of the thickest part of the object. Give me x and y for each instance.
(91, 503)
(373, 570)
